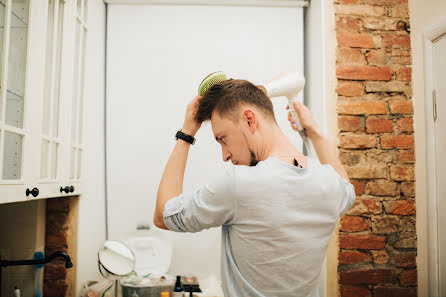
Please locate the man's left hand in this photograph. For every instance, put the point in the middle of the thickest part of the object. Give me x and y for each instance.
(191, 126)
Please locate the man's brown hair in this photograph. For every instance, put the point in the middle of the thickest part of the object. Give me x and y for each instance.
(226, 96)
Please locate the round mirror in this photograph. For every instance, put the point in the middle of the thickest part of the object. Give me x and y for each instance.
(116, 259)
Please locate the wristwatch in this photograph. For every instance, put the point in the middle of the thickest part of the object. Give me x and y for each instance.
(185, 137)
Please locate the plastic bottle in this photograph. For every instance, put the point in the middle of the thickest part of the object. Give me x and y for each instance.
(178, 289)
(165, 294)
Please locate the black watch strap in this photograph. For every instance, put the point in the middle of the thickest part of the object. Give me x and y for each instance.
(185, 137)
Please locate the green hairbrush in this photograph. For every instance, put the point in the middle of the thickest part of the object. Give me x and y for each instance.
(210, 80)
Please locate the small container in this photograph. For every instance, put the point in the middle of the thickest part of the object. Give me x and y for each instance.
(178, 289)
(165, 294)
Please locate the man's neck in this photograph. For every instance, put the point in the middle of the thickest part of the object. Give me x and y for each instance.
(277, 145)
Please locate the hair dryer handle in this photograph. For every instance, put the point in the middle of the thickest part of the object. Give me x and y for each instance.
(294, 113)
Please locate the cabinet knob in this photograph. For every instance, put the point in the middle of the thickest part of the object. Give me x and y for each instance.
(66, 189)
(71, 189)
(34, 192)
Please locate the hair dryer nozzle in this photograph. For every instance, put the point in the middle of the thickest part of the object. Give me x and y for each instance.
(288, 84)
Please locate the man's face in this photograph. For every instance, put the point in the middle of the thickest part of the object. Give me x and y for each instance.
(233, 138)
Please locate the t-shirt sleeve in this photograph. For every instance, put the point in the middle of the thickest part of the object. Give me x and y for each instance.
(209, 206)
(349, 196)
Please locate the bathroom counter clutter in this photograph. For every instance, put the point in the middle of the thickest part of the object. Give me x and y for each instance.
(152, 285)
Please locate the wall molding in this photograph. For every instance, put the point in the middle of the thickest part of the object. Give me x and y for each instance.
(272, 3)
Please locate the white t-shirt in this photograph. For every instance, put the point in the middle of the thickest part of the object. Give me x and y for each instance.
(277, 220)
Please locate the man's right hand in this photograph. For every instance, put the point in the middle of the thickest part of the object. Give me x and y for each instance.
(306, 120)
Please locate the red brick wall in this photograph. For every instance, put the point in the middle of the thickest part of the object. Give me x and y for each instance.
(377, 238)
(60, 235)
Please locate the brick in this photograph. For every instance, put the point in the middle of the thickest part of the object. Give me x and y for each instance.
(357, 141)
(379, 2)
(361, 10)
(353, 224)
(352, 257)
(56, 238)
(402, 26)
(349, 123)
(355, 291)
(406, 240)
(377, 40)
(401, 56)
(358, 40)
(345, 23)
(402, 172)
(380, 257)
(55, 271)
(400, 11)
(405, 125)
(368, 170)
(347, 1)
(395, 41)
(383, 188)
(379, 156)
(54, 288)
(349, 55)
(351, 158)
(368, 277)
(382, 24)
(401, 52)
(403, 60)
(359, 186)
(385, 224)
(404, 74)
(58, 205)
(350, 88)
(405, 259)
(408, 278)
(389, 86)
(365, 206)
(355, 107)
(400, 207)
(378, 125)
(403, 141)
(376, 57)
(56, 221)
(408, 189)
(363, 242)
(401, 106)
(363, 72)
(405, 156)
(394, 292)
(408, 224)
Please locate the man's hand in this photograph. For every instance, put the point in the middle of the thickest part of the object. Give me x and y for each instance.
(191, 126)
(324, 149)
(306, 120)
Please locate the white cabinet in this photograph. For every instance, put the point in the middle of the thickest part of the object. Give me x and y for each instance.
(41, 98)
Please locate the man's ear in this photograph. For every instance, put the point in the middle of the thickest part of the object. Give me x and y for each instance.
(250, 119)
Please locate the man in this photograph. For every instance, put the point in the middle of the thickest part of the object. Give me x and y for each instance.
(277, 208)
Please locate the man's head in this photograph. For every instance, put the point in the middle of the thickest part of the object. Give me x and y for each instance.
(240, 115)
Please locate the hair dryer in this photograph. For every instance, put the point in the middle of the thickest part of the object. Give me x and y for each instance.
(288, 84)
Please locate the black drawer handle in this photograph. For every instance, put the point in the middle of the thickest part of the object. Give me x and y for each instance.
(66, 189)
(34, 192)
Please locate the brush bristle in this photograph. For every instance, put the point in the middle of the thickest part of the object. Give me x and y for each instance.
(210, 80)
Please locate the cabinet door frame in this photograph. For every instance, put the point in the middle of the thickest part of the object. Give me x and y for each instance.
(51, 187)
(432, 34)
(34, 92)
(14, 190)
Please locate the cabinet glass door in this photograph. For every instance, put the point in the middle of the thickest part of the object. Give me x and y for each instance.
(13, 52)
(50, 140)
(77, 146)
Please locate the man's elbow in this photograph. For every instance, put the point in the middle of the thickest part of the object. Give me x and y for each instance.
(159, 222)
